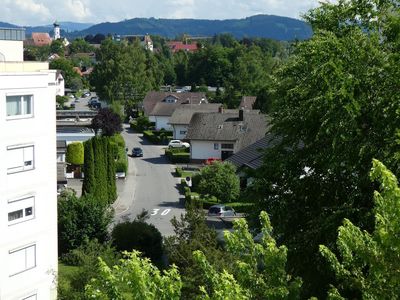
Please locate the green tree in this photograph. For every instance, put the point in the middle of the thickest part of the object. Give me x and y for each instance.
(369, 263)
(191, 233)
(138, 235)
(80, 45)
(334, 111)
(134, 278)
(112, 189)
(100, 191)
(89, 181)
(66, 68)
(61, 100)
(81, 219)
(75, 154)
(259, 270)
(121, 72)
(57, 47)
(219, 180)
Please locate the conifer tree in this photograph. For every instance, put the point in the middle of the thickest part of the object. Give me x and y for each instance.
(100, 171)
(112, 190)
(88, 169)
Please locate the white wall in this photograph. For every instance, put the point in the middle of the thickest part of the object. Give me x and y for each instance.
(177, 131)
(12, 50)
(162, 122)
(41, 182)
(204, 149)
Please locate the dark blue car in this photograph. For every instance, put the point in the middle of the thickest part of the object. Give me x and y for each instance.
(137, 152)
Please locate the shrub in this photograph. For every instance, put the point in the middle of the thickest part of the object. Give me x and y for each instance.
(142, 123)
(178, 171)
(118, 139)
(140, 236)
(180, 157)
(75, 154)
(121, 165)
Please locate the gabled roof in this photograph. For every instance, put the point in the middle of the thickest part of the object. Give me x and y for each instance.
(247, 102)
(183, 114)
(154, 106)
(175, 46)
(252, 155)
(41, 38)
(228, 127)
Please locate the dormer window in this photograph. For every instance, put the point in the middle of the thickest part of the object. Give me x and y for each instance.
(170, 99)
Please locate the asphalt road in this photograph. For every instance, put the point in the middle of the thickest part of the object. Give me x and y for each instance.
(149, 185)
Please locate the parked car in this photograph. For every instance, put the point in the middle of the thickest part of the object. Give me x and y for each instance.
(137, 152)
(178, 144)
(71, 96)
(93, 100)
(86, 94)
(221, 210)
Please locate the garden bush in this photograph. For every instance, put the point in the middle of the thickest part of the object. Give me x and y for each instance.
(140, 236)
(178, 171)
(121, 165)
(75, 153)
(181, 157)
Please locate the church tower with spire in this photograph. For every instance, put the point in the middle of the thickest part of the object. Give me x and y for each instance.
(57, 34)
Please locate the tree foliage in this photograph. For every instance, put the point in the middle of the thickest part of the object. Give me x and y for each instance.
(75, 153)
(89, 181)
(81, 219)
(191, 233)
(66, 68)
(108, 121)
(138, 235)
(134, 278)
(219, 180)
(369, 263)
(334, 110)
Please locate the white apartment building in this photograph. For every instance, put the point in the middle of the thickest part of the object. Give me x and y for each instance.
(28, 174)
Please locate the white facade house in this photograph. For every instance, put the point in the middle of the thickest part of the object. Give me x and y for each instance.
(201, 150)
(28, 180)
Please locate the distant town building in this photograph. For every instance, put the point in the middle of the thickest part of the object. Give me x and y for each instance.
(28, 174)
(176, 46)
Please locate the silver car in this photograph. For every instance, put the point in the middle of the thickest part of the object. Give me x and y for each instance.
(221, 210)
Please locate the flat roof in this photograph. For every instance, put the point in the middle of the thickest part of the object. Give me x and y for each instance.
(12, 34)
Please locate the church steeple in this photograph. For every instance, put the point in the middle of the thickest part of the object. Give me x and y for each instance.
(57, 34)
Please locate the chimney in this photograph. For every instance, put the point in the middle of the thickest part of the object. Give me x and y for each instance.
(221, 109)
(241, 114)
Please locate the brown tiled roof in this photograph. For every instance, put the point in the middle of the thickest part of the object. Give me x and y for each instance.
(41, 38)
(154, 106)
(247, 102)
(228, 127)
(183, 114)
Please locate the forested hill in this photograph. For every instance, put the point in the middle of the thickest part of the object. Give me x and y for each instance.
(267, 26)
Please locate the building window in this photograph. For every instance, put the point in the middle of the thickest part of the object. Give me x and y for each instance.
(182, 132)
(216, 146)
(227, 146)
(19, 106)
(22, 209)
(19, 159)
(22, 259)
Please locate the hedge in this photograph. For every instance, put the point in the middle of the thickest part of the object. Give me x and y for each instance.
(75, 153)
(121, 165)
(179, 157)
(118, 139)
(158, 137)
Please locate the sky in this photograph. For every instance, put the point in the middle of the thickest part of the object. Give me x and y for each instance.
(41, 12)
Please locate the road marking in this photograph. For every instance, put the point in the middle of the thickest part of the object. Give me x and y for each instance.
(163, 213)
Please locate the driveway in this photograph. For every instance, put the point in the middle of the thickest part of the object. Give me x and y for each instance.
(149, 185)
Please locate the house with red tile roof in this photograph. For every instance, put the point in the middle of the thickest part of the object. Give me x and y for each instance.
(176, 46)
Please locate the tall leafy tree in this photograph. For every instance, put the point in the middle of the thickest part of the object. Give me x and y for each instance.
(81, 219)
(108, 121)
(335, 110)
(369, 263)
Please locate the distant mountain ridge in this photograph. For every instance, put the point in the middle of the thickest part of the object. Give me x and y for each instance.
(265, 26)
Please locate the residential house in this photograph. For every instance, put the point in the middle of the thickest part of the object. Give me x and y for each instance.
(176, 46)
(250, 158)
(247, 102)
(28, 174)
(159, 106)
(39, 39)
(182, 115)
(60, 84)
(220, 135)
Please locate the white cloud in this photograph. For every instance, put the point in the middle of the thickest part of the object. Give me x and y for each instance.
(35, 12)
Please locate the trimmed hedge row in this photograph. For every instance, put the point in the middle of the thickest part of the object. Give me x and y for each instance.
(158, 137)
(180, 157)
(121, 165)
